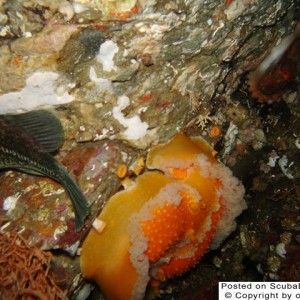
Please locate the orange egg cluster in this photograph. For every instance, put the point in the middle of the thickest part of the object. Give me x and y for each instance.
(164, 223)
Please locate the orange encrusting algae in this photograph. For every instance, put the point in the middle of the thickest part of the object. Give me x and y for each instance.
(164, 223)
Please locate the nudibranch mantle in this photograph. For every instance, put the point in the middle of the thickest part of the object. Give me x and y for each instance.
(163, 224)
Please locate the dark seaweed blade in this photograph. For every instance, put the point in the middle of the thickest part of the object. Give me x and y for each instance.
(58, 173)
(19, 150)
(48, 166)
(77, 198)
(42, 125)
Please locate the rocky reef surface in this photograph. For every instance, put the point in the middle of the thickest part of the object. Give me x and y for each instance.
(123, 76)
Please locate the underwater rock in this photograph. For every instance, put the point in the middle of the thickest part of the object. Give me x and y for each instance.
(39, 207)
(25, 55)
(108, 7)
(51, 39)
(78, 54)
(183, 67)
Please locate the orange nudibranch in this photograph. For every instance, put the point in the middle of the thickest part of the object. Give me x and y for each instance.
(163, 224)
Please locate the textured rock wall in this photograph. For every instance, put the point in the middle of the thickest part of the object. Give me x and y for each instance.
(125, 75)
(171, 58)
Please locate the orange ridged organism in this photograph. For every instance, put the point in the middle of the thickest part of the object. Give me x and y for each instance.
(268, 82)
(159, 241)
(163, 224)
